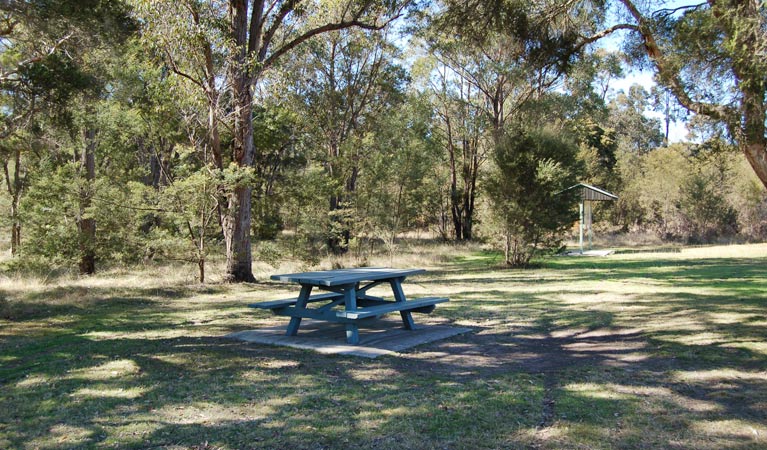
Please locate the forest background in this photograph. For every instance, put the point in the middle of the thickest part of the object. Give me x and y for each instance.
(146, 131)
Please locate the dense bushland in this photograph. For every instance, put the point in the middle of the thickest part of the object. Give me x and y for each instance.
(160, 131)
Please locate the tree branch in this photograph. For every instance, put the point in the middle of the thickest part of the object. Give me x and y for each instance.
(604, 33)
(285, 9)
(178, 71)
(5, 76)
(668, 76)
(671, 11)
(10, 25)
(354, 22)
(256, 26)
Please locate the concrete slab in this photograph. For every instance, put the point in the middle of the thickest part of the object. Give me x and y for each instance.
(588, 253)
(380, 337)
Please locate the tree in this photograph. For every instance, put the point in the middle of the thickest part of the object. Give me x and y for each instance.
(532, 168)
(462, 127)
(239, 40)
(348, 85)
(635, 131)
(189, 208)
(500, 59)
(663, 101)
(46, 62)
(41, 68)
(711, 56)
(397, 190)
(15, 183)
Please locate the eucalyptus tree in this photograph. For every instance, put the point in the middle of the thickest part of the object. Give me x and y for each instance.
(498, 59)
(347, 84)
(462, 134)
(398, 191)
(636, 132)
(16, 175)
(712, 56)
(227, 47)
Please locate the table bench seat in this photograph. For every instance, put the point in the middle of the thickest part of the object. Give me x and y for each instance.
(284, 303)
(421, 305)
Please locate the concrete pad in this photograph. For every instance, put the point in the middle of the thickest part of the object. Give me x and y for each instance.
(588, 253)
(379, 337)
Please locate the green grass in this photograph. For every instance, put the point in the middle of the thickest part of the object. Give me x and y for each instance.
(636, 350)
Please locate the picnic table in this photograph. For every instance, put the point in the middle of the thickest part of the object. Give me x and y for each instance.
(347, 300)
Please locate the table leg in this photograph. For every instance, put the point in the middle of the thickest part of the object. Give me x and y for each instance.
(352, 334)
(399, 296)
(303, 299)
(350, 304)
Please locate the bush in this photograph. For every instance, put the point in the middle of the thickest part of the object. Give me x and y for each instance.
(705, 213)
(692, 193)
(531, 212)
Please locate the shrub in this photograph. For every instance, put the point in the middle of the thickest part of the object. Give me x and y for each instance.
(531, 168)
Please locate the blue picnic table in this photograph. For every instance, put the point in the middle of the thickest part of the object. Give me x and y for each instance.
(346, 299)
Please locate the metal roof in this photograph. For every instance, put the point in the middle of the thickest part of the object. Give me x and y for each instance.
(589, 192)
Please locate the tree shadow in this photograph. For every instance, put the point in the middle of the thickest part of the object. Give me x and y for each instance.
(542, 372)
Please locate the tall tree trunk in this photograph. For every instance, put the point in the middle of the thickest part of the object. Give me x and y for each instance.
(15, 186)
(753, 143)
(507, 247)
(457, 214)
(15, 227)
(341, 232)
(455, 198)
(87, 225)
(236, 223)
(337, 242)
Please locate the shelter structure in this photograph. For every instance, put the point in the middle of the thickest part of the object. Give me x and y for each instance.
(589, 194)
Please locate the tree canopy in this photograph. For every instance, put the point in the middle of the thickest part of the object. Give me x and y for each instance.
(242, 130)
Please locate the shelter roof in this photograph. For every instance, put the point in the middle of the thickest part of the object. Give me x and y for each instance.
(592, 193)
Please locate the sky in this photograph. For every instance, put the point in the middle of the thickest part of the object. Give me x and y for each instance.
(677, 130)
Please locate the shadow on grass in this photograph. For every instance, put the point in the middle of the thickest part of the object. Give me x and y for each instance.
(542, 372)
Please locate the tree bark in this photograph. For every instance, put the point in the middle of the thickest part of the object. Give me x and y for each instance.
(753, 142)
(15, 186)
(87, 225)
(15, 228)
(239, 258)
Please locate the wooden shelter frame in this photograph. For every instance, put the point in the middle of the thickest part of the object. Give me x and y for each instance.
(589, 194)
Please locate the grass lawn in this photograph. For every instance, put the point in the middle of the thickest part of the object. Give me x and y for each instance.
(636, 350)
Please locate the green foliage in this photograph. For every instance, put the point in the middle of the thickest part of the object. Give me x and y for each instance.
(48, 213)
(597, 149)
(636, 132)
(533, 167)
(305, 213)
(55, 78)
(397, 190)
(705, 209)
(349, 83)
(274, 134)
(692, 193)
(188, 209)
(50, 210)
